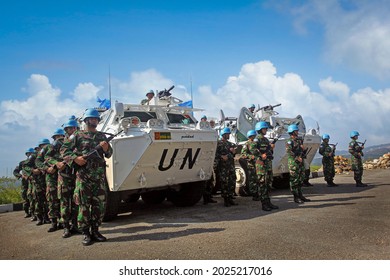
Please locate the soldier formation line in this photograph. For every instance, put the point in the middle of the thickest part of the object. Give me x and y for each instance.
(64, 184)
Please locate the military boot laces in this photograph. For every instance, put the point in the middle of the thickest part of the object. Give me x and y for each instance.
(97, 236)
(87, 240)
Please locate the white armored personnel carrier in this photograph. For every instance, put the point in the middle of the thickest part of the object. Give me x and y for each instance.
(278, 131)
(160, 152)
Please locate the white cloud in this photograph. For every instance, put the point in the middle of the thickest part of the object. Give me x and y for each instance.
(335, 107)
(357, 33)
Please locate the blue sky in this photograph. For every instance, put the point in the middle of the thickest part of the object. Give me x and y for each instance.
(326, 60)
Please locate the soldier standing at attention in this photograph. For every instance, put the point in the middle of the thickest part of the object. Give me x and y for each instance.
(264, 166)
(356, 152)
(224, 160)
(250, 153)
(149, 96)
(295, 151)
(66, 187)
(52, 157)
(24, 189)
(327, 153)
(91, 188)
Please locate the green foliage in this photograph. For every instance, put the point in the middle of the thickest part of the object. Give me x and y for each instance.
(9, 191)
(314, 168)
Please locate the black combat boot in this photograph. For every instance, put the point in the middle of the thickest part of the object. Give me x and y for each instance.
(231, 201)
(359, 184)
(301, 197)
(27, 215)
(74, 228)
(226, 202)
(33, 218)
(39, 220)
(273, 206)
(96, 235)
(265, 206)
(211, 200)
(53, 226)
(297, 199)
(333, 184)
(87, 240)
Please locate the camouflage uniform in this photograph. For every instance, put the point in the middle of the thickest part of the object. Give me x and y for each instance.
(327, 153)
(37, 189)
(24, 187)
(225, 170)
(264, 167)
(91, 188)
(356, 159)
(294, 148)
(250, 153)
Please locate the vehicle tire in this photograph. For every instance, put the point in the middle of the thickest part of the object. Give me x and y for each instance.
(282, 182)
(188, 195)
(133, 198)
(112, 206)
(242, 178)
(154, 197)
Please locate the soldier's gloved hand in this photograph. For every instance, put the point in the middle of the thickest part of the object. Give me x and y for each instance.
(104, 146)
(80, 160)
(60, 165)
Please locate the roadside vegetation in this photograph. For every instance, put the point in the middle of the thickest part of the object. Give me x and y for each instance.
(9, 190)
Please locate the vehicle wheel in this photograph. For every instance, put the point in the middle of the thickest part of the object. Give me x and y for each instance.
(188, 195)
(112, 206)
(132, 198)
(282, 182)
(242, 179)
(154, 197)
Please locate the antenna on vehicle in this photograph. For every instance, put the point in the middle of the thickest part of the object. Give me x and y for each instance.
(109, 84)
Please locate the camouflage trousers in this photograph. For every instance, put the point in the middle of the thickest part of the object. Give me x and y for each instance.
(253, 182)
(52, 200)
(90, 196)
(39, 198)
(24, 191)
(68, 209)
(31, 197)
(227, 179)
(265, 177)
(297, 176)
(328, 166)
(357, 167)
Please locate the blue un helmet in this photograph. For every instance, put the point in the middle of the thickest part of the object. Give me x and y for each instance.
(91, 113)
(70, 123)
(250, 133)
(354, 133)
(325, 136)
(226, 130)
(58, 131)
(204, 117)
(292, 128)
(44, 141)
(261, 125)
(30, 150)
(252, 106)
(72, 117)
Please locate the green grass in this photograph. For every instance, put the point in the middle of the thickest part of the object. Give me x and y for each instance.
(314, 168)
(9, 191)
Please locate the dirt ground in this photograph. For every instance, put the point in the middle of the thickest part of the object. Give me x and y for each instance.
(344, 222)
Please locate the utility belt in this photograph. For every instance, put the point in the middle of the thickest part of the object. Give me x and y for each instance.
(95, 164)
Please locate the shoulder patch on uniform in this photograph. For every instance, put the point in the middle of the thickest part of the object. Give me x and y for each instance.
(289, 142)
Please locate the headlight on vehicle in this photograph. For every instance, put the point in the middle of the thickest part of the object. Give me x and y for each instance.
(155, 123)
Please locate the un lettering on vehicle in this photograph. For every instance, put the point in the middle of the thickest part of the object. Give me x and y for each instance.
(168, 159)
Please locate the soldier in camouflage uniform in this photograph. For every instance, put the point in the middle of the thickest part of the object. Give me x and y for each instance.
(356, 152)
(295, 153)
(327, 151)
(66, 186)
(264, 165)
(224, 161)
(24, 189)
(50, 159)
(250, 153)
(91, 185)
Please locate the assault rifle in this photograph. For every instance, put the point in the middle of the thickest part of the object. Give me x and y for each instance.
(360, 148)
(306, 152)
(268, 107)
(96, 155)
(333, 148)
(270, 152)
